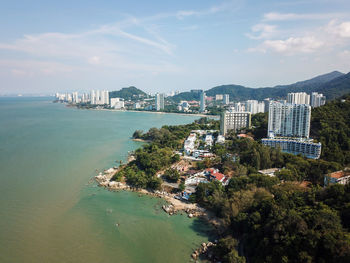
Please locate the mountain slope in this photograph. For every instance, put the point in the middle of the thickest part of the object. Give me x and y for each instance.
(307, 84)
(336, 87)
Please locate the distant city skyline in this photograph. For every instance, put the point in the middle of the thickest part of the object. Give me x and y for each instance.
(162, 46)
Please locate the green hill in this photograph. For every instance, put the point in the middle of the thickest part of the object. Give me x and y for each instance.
(330, 124)
(129, 93)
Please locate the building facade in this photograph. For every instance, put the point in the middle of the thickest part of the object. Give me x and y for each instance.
(254, 106)
(298, 98)
(234, 121)
(317, 99)
(202, 101)
(306, 148)
(226, 99)
(159, 102)
(289, 120)
(117, 103)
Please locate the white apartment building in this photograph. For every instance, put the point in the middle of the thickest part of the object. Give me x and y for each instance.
(317, 99)
(226, 99)
(104, 99)
(75, 97)
(117, 103)
(219, 97)
(159, 103)
(254, 106)
(289, 120)
(267, 104)
(239, 106)
(234, 121)
(307, 148)
(99, 97)
(202, 101)
(92, 97)
(298, 98)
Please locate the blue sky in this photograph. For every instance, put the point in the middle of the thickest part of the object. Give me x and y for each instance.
(160, 46)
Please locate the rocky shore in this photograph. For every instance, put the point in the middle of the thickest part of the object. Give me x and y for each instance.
(173, 207)
(205, 250)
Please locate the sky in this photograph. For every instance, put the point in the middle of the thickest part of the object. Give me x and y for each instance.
(163, 46)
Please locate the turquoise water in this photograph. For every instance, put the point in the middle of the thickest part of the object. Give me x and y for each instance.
(48, 210)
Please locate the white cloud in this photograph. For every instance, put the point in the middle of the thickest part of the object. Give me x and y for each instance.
(261, 31)
(339, 29)
(276, 16)
(293, 45)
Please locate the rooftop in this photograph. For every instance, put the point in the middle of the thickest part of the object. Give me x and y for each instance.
(339, 174)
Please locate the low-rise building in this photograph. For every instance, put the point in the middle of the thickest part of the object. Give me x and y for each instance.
(306, 148)
(214, 174)
(209, 140)
(220, 139)
(270, 172)
(339, 177)
(117, 103)
(234, 121)
(202, 154)
(189, 144)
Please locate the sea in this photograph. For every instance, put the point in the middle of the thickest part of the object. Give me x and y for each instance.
(50, 208)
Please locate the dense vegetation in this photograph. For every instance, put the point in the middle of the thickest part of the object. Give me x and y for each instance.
(279, 222)
(130, 93)
(158, 155)
(332, 85)
(330, 125)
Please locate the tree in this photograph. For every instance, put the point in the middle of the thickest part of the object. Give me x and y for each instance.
(172, 175)
(182, 186)
(137, 134)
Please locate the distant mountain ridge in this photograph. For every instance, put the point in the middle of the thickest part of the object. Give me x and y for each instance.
(332, 85)
(314, 81)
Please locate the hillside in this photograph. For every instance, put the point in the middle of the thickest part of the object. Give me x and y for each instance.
(332, 85)
(128, 93)
(330, 124)
(186, 96)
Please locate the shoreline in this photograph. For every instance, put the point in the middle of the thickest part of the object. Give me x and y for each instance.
(174, 205)
(154, 112)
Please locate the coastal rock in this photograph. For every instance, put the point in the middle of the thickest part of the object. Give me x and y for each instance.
(112, 184)
(105, 184)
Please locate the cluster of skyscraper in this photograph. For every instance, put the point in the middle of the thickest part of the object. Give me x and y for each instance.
(315, 100)
(289, 127)
(252, 106)
(95, 97)
(99, 97)
(288, 122)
